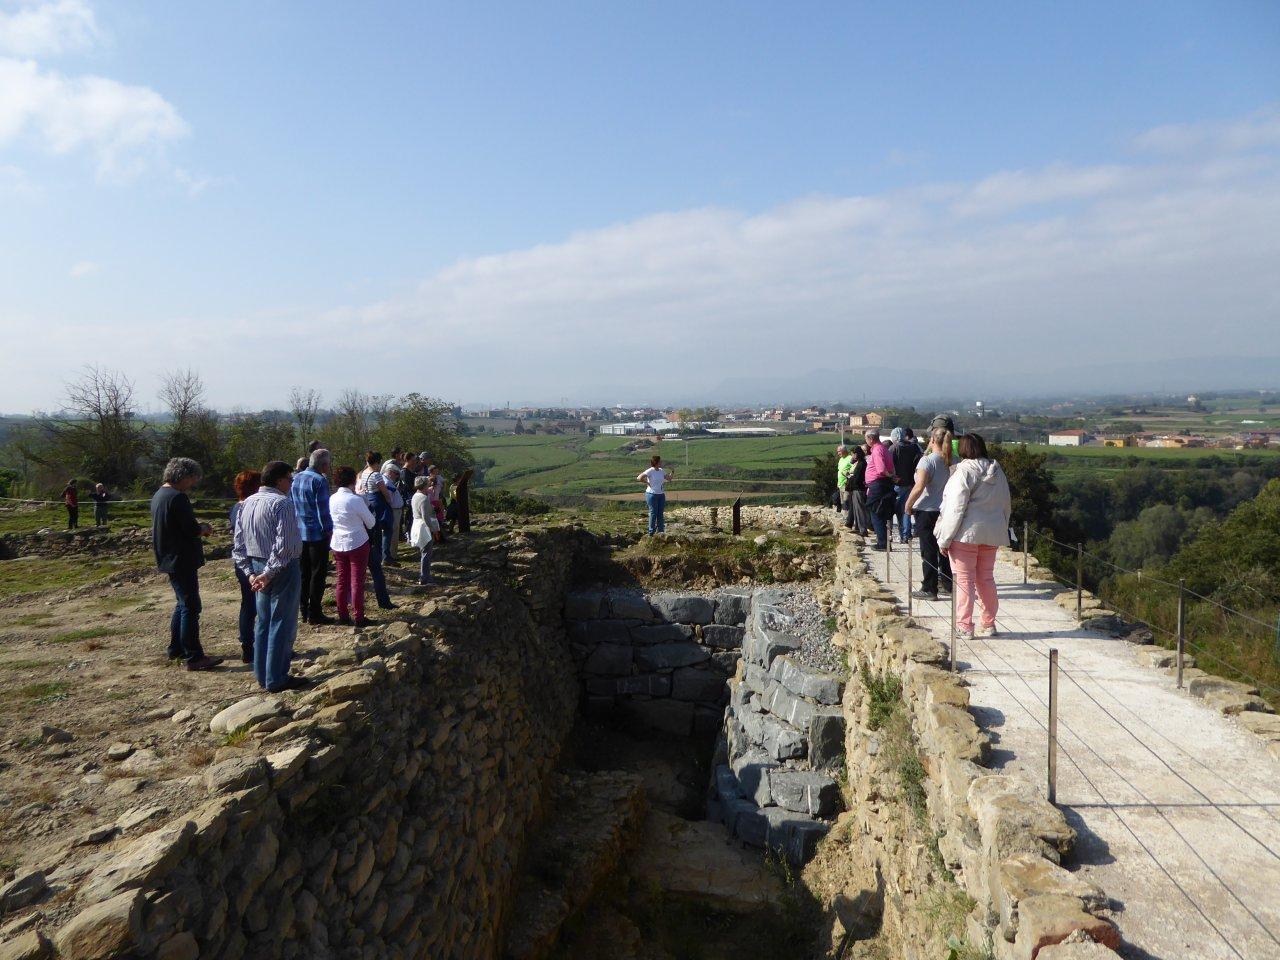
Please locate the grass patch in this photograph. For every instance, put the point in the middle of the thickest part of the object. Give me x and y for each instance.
(26, 664)
(32, 620)
(88, 633)
(40, 574)
(38, 693)
(235, 737)
(885, 694)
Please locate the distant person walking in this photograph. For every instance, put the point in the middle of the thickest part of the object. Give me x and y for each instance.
(246, 485)
(655, 493)
(854, 492)
(310, 495)
(880, 495)
(372, 485)
(176, 537)
(71, 500)
(267, 547)
(352, 523)
(973, 525)
(101, 497)
(422, 534)
(924, 503)
(906, 454)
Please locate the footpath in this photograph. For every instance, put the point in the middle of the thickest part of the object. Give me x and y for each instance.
(1176, 805)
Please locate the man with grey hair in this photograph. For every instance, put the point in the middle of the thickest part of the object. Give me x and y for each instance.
(310, 495)
(880, 495)
(844, 463)
(176, 537)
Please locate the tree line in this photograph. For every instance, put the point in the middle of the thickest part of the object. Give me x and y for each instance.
(101, 435)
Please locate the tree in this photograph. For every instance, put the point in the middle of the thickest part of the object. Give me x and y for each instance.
(98, 434)
(305, 407)
(415, 422)
(193, 428)
(1030, 485)
(823, 477)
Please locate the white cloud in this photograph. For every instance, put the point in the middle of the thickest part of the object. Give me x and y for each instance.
(84, 268)
(30, 29)
(124, 127)
(1260, 131)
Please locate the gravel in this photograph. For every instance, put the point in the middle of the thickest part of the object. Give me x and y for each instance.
(811, 626)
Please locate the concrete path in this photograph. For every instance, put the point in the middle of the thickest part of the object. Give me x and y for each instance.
(1178, 808)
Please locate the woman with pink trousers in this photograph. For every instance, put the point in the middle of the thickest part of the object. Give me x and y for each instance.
(974, 523)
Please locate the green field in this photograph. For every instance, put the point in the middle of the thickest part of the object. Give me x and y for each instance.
(1069, 463)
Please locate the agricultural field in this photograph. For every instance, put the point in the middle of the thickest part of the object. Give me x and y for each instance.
(1071, 463)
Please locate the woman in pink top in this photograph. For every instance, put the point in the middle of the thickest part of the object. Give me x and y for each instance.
(881, 497)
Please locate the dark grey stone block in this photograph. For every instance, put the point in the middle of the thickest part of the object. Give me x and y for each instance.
(630, 606)
(750, 825)
(661, 633)
(805, 791)
(803, 842)
(749, 768)
(668, 716)
(649, 684)
(781, 740)
(707, 721)
(826, 738)
(782, 703)
(732, 607)
(726, 783)
(668, 656)
(690, 683)
(726, 661)
(684, 608)
(756, 679)
(583, 604)
(722, 637)
(608, 631)
(805, 681)
(609, 658)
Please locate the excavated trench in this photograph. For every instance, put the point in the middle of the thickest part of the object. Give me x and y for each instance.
(702, 772)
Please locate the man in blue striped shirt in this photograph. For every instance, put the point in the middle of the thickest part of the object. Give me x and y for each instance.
(310, 494)
(266, 547)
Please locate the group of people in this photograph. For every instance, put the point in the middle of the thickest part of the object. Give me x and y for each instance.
(951, 497)
(285, 523)
(71, 500)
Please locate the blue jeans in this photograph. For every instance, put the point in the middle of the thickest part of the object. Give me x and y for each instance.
(375, 565)
(248, 612)
(900, 511)
(424, 572)
(184, 625)
(657, 504)
(277, 625)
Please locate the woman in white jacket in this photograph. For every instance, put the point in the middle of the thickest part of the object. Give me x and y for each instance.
(973, 525)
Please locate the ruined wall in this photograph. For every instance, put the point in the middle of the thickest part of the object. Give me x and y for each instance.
(382, 815)
(927, 818)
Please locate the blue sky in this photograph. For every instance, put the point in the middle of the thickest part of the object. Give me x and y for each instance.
(483, 201)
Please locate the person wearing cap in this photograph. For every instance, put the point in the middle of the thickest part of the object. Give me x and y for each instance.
(880, 495)
(906, 454)
(945, 422)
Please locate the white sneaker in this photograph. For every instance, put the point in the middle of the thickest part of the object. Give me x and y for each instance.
(963, 634)
(990, 631)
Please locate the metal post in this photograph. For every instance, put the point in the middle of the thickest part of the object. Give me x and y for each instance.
(910, 609)
(1053, 725)
(1182, 626)
(953, 627)
(1079, 581)
(737, 517)
(1026, 550)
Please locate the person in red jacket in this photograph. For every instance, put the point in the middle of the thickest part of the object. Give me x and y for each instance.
(72, 501)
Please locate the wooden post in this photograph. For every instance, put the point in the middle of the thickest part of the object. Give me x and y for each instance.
(463, 497)
(737, 517)
(1053, 726)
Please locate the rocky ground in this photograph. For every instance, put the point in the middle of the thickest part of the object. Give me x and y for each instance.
(813, 625)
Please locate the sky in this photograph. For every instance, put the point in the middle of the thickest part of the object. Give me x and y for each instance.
(628, 202)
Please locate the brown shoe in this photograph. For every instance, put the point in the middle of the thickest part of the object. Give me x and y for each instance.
(204, 663)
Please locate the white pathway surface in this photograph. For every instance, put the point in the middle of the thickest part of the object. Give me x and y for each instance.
(1178, 809)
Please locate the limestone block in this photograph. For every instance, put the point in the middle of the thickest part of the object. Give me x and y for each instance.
(667, 716)
(684, 608)
(107, 929)
(1046, 919)
(1265, 725)
(805, 681)
(953, 733)
(667, 656)
(1014, 818)
(609, 659)
(803, 841)
(690, 683)
(723, 637)
(747, 822)
(1232, 703)
(24, 889)
(661, 633)
(1202, 686)
(245, 713)
(349, 686)
(181, 946)
(230, 776)
(608, 631)
(1081, 950)
(284, 764)
(781, 740)
(732, 607)
(140, 863)
(756, 678)
(31, 945)
(1027, 875)
(630, 606)
(583, 604)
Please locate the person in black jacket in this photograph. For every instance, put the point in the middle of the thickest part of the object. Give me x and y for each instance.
(177, 536)
(855, 487)
(906, 454)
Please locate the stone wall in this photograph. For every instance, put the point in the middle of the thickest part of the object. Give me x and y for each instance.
(658, 660)
(775, 781)
(755, 516)
(993, 836)
(381, 815)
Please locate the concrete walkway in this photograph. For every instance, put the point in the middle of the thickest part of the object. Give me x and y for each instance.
(1178, 808)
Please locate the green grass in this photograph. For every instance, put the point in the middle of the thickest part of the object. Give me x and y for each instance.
(26, 664)
(45, 692)
(88, 633)
(32, 620)
(38, 574)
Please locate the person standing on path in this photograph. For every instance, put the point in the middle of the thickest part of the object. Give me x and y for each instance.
(391, 472)
(880, 495)
(855, 494)
(372, 485)
(425, 527)
(906, 454)
(71, 500)
(975, 523)
(655, 480)
(924, 503)
(246, 485)
(100, 500)
(267, 547)
(352, 522)
(844, 464)
(408, 473)
(176, 537)
(310, 495)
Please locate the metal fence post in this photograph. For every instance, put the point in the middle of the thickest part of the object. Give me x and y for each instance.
(1182, 626)
(1079, 581)
(1026, 550)
(1053, 725)
(953, 627)
(910, 608)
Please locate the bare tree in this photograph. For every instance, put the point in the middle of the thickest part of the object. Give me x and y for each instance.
(97, 433)
(305, 406)
(182, 393)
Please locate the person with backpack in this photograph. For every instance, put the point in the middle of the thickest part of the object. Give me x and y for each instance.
(372, 485)
(973, 525)
(906, 454)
